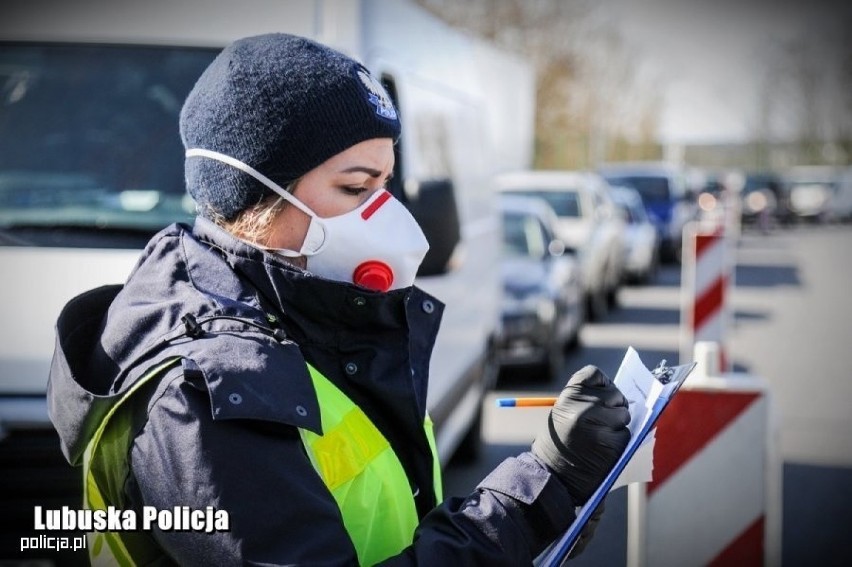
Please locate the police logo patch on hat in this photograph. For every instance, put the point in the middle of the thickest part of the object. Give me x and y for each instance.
(376, 94)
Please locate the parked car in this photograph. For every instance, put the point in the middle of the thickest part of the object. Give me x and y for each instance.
(587, 223)
(668, 201)
(764, 200)
(811, 190)
(542, 308)
(641, 240)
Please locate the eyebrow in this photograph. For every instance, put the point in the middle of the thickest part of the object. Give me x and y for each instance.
(368, 170)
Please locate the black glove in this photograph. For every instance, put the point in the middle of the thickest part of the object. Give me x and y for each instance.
(586, 432)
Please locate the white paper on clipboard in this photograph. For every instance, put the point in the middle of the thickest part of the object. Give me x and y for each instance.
(642, 390)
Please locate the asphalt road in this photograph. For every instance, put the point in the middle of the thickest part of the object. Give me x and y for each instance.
(791, 325)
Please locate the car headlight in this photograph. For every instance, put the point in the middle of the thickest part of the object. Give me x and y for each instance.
(531, 300)
(546, 309)
(756, 201)
(707, 202)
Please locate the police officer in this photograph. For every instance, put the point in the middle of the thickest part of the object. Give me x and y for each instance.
(271, 361)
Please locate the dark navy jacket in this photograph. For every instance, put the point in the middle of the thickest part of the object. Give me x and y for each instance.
(221, 429)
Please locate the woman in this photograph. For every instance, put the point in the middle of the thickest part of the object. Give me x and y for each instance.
(257, 388)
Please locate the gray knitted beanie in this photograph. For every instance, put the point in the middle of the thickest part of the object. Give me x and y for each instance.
(283, 105)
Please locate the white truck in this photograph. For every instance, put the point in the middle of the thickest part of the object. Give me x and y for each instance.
(91, 166)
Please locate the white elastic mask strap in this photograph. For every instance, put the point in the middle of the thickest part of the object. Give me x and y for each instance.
(245, 168)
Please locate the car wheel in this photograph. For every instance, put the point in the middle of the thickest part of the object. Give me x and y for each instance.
(597, 305)
(612, 297)
(650, 272)
(468, 449)
(573, 342)
(554, 362)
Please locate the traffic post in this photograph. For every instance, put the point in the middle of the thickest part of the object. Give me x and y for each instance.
(715, 498)
(706, 274)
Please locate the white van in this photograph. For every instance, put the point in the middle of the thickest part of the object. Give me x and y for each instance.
(91, 166)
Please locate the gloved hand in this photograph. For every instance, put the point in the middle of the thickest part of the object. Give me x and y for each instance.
(586, 432)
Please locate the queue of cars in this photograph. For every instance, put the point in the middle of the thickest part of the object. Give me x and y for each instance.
(588, 222)
(768, 198)
(570, 241)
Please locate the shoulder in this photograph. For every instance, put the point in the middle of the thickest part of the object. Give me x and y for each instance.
(240, 374)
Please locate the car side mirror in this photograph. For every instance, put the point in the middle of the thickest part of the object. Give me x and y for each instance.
(433, 205)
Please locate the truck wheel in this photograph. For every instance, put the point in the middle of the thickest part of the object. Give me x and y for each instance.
(468, 449)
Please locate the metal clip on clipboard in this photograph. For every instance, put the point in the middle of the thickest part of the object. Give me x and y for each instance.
(662, 372)
(559, 550)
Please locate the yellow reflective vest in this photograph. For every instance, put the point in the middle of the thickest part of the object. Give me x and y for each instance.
(355, 461)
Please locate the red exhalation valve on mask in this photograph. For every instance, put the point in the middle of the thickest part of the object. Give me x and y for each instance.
(374, 275)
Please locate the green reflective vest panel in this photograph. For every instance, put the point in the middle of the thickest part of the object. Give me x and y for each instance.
(364, 475)
(355, 461)
(105, 467)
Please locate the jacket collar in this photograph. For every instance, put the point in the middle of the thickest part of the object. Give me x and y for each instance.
(309, 305)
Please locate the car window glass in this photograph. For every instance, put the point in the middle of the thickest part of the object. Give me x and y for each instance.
(565, 203)
(523, 236)
(651, 189)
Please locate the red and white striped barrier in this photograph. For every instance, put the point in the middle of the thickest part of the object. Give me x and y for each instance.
(706, 276)
(716, 494)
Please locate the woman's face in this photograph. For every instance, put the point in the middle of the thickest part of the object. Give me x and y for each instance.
(337, 186)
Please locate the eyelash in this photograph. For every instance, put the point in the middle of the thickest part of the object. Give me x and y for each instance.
(355, 191)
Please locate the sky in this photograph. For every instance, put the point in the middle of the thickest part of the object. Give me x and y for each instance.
(712, 60)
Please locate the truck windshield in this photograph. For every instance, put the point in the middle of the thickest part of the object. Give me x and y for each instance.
(90, 153)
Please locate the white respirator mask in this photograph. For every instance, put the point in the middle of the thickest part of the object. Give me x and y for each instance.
(379, 245)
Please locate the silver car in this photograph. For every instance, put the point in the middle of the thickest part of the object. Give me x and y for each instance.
(588, 223)
(542, 307)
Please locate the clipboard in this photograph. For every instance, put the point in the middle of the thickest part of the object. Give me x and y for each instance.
(672, 377)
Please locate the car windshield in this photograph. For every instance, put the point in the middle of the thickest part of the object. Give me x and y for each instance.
(652, 189)
(89, 141)
(522, 236)
(565, 203)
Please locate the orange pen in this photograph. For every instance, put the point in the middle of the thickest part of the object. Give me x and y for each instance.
(525, 402)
